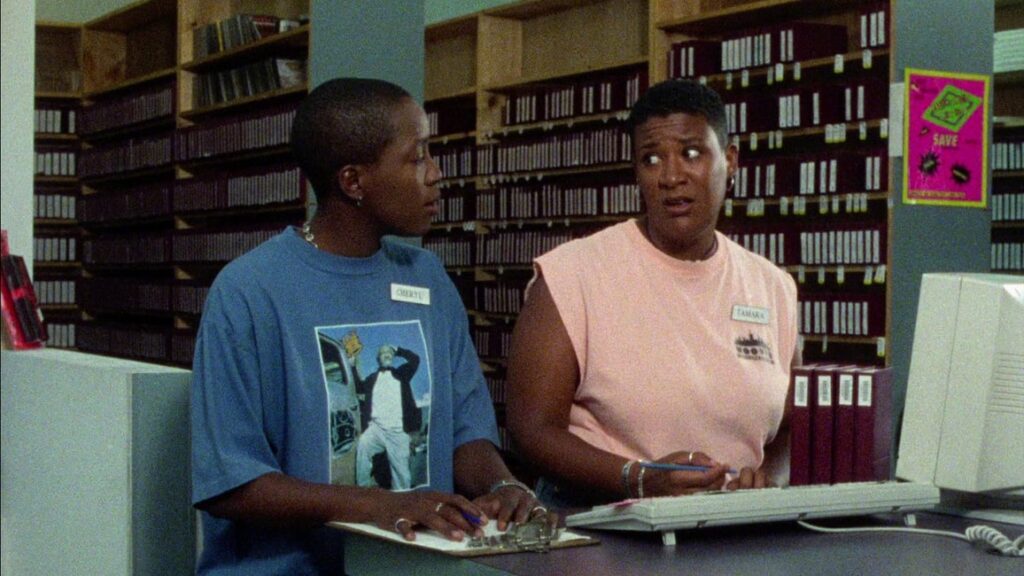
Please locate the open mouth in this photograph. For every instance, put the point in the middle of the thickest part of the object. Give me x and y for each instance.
(678, 206)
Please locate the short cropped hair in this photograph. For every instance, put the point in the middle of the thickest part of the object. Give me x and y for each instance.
(681, 96)
(343, 121)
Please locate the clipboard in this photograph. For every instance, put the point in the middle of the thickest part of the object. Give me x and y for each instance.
(430, 540)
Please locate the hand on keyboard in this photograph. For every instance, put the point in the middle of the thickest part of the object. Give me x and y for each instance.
(749, 478)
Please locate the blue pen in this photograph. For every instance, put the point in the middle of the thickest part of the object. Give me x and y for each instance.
(470, 518)
(680, 467)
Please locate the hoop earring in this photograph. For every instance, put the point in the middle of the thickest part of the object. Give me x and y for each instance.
(731, 184)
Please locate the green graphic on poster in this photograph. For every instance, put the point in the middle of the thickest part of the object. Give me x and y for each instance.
(952, 108)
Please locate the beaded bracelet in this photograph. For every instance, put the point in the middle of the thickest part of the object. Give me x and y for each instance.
(513, 483)
(626, 469)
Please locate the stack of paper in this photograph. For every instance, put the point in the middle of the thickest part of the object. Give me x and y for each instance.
(1008, 51)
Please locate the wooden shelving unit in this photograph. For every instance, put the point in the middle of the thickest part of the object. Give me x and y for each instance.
(213, 173)
(131, 82)
(58, 73)
(130, 45)
(1007, 198)
(691, 18)
(131, 76)
(197, 114)
(127, 174)
(58, 61)
(295, 41)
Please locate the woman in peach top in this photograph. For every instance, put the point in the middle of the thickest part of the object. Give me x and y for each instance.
(657, 339)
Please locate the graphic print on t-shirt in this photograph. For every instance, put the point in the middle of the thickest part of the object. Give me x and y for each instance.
(378, 390)
(753, 347)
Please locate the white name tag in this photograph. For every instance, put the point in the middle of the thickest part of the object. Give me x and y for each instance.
(410, 294)
(751, 314)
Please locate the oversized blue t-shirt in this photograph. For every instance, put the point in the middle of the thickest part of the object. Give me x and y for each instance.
(303, 359)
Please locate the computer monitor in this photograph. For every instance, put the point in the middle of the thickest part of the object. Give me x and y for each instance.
(963, 422)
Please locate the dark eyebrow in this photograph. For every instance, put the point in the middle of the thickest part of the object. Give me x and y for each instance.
(686, 141)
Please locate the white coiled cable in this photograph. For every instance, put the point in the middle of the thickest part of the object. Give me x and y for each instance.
(980, 533)
(996, 539)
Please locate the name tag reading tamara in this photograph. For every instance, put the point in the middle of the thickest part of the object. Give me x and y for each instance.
(751, 314)
(410, 294)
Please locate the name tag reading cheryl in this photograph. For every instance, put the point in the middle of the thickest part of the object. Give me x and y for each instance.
(410, 294)
(751, 314)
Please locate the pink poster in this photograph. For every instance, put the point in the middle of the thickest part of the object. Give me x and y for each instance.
(946, 138)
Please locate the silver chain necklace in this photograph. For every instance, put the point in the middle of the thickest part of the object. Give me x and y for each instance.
(307, 234)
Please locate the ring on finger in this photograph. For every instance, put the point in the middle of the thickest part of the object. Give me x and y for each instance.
(537, 509)
(689, 458)
(437, 509)
(398, 524)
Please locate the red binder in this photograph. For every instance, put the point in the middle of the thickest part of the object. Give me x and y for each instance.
(843, 432)
(873, 425)
(823, 392)
(18, 305)
(800, 426)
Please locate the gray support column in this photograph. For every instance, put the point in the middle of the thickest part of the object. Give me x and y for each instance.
(370, 39)
(947, 35)
(17, 91)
